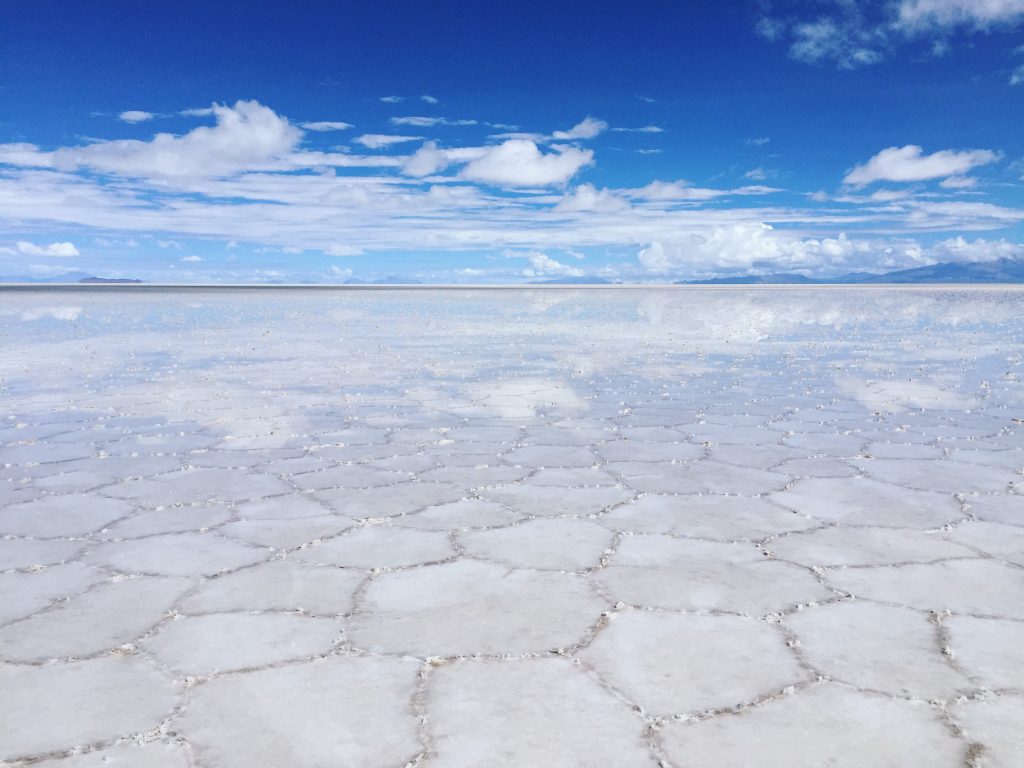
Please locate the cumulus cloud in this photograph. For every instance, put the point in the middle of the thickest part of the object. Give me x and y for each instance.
(741, 247)
(379, 140)
(135, 116)
(520, 163)
(586, 197)
(427, 160)
(910, 164)
(587, 128)
(960, 249)
(193, 258)
(326, 125)
(245, 135)
(62, 250)
(542, 265)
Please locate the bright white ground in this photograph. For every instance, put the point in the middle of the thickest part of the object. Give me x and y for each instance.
(512, 528)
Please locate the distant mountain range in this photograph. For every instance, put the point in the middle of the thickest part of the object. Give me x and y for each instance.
(1001, 271)
(70, 277)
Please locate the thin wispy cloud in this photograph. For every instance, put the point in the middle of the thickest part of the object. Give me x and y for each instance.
(850, 35)
(380, 140)
(326, 125)
(644, 129)
(135, 116)
(423, 121)
(587, 128)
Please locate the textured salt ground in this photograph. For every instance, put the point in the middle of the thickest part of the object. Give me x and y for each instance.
(554, 528)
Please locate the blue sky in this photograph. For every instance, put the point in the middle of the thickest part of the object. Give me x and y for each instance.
(483, 142)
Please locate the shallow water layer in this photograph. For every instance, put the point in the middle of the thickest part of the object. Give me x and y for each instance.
(559, 527)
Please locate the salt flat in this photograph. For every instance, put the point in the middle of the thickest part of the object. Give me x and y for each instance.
(512, 528)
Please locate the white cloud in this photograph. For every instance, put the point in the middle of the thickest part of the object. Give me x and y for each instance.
(339, 249)
(105, 242)
(326, 125)
(741, 247)
(645, 129)
(855, 34)
(757, 141)
(340, 273)
(519, 163)
(62, 250)
(427, 160)
(192, 258)
(842, 40)
(23, 154)
(909, 164)
(960, 249)
(959, 182)
(392, 99)
(169, 244)
(420, 121)
(1018, 75)
(379, 140)
(135, 116)
(682, 190)
(586, 197)
(428, 99)
(756, 174)
(920, 15)
(587, 128)
(246, 134)
(542, 265)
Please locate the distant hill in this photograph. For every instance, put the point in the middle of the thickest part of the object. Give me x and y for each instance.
(106, 280)
(1000, 271)
(70, 277)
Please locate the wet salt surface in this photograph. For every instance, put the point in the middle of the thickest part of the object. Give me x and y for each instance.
(531, 527)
